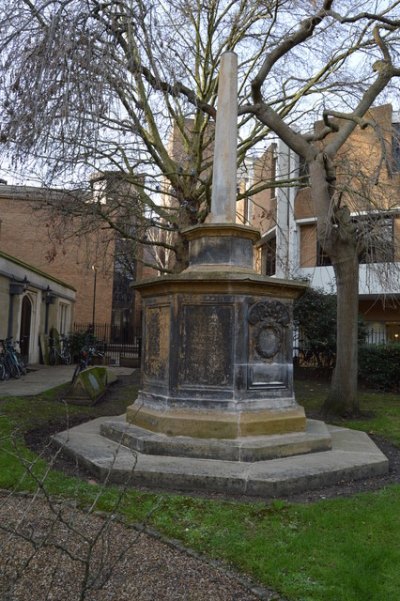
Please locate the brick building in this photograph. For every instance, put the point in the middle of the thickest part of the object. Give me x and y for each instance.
(31, 303)
(369, 173)
(31, 232)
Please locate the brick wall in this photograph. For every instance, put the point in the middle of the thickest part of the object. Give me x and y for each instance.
(263, 212)
(28, 232)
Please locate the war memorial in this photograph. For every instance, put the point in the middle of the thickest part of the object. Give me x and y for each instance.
(216, 410)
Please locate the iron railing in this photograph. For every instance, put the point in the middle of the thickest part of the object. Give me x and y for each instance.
(120, 346)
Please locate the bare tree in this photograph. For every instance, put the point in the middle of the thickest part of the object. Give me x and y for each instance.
(97, 85)
(127, 88)
(374, 34)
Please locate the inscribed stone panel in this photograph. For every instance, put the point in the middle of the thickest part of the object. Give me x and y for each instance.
(206, 346)
(157, 342)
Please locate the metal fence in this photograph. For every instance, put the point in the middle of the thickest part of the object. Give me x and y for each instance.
(120, 346)
(377, 337)
(318, 356)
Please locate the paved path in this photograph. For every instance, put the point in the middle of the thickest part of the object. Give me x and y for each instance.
(44, 377)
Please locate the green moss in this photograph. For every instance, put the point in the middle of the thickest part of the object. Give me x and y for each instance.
(91, 383)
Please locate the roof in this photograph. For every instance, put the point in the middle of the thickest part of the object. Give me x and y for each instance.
(35, 270)
(32, 193)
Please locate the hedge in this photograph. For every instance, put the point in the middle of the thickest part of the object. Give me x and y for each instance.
(379, 366)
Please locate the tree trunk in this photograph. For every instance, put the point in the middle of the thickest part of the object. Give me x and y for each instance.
(342, 398)
(181, 255)
(337, 236)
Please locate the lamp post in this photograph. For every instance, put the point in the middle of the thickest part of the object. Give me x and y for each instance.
(94, 296)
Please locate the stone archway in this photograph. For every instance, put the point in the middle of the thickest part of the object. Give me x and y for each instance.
(25, 329)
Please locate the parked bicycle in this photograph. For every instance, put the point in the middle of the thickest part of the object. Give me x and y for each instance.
(11, 359)
(86, 355)
(59, 353)
(4, 373)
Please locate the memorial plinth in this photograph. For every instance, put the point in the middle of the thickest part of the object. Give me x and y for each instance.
(217, 352)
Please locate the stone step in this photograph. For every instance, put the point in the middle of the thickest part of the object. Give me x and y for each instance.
(246, 448)
(353, 456)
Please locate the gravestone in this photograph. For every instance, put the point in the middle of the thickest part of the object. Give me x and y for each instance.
(89, 387)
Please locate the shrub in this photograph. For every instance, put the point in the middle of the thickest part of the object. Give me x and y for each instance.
(77, 341)
(315, 316)
(379, 366)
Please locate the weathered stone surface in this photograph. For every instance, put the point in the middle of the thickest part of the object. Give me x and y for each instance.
(249, 448)
(353, 456)
(216, 424)
(156, 350)
(223, 200)
(204, 349)
(210, 353)
(89, 386)
(225, 251)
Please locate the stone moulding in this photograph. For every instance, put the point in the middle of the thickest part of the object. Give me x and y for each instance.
(314, 439)
(214, 424)
(217, 356)
(214, 281)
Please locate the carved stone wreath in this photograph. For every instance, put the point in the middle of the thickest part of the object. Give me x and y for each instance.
(269, 311)
(269, 319)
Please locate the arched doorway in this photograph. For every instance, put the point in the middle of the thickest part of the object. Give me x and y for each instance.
(25, 330)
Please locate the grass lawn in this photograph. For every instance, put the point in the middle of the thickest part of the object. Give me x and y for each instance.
(333, 550)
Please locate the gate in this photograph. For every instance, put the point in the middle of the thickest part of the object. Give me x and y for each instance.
(121, 346)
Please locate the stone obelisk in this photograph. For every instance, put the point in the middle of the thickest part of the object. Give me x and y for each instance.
(220, 242)
(224, 182)
(217, 358)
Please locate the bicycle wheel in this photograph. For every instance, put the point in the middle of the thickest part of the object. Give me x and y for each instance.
(12, 368)
(3, 371)
(66, 358)
(22, 367)
(76, 372)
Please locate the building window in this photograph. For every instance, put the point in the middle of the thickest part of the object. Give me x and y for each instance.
(323, 259)
(63, 317)
(393, 331)
(377, 238)
(308, 245)
(269, 257)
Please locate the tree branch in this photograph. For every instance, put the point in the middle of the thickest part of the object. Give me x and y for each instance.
(305, 31)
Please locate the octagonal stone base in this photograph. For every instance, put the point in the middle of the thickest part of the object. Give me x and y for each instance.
(217, 356)
(217, 424)
(353, 456)
(315, 438)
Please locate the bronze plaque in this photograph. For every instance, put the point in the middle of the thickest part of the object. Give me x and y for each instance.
(206, 345)
(156, 351)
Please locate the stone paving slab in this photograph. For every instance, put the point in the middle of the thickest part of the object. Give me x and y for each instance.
(44, 377)
(353, 456)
